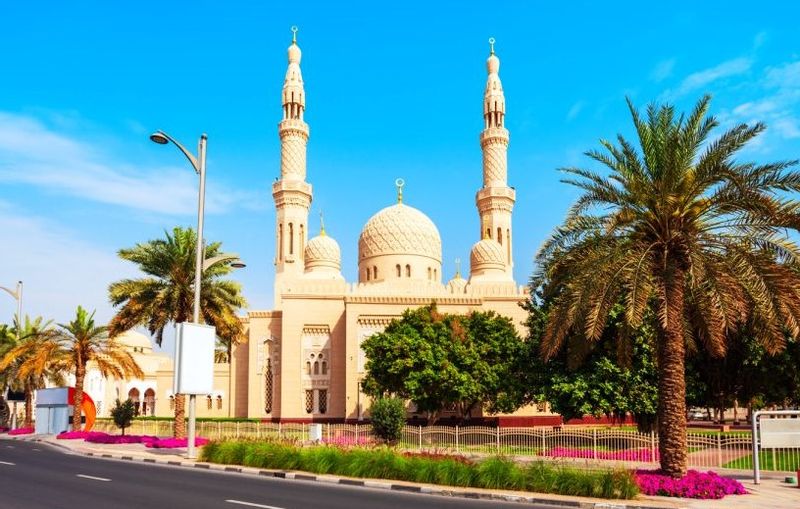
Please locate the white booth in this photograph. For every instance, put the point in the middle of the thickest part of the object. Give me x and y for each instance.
(53, 411)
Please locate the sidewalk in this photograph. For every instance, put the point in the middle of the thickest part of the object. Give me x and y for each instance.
(771, 493)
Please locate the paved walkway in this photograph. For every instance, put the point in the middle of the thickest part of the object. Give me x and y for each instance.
(772, 493)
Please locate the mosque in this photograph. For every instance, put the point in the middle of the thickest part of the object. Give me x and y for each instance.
(302, 361)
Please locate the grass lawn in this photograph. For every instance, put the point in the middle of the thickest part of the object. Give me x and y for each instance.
(788, 461)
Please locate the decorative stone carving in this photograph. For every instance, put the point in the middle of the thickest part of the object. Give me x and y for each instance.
(400, 230)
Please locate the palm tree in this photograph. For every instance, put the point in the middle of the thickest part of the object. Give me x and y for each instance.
(32, 360)
(83, 342)
(166, 294)
(686, 228)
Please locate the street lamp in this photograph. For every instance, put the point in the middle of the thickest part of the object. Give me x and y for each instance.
(199, 165)
(17, 295)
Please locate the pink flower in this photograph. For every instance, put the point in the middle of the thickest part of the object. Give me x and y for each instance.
(703, 485)
(21, 431)
(174, 443)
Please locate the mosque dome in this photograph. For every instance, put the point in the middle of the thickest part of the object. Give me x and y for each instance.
(135, 341)
(486, 254)
(457, 285)
(322, 252)
(399, 242)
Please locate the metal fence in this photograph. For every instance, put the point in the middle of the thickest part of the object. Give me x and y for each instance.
(573, 444)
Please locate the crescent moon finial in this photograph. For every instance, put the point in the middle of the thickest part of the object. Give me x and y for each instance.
(399, 183)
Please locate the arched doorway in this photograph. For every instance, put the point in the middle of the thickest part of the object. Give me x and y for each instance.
(133, 395)
(149, 406)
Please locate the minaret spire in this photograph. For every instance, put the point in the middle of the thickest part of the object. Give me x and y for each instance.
(292, 194)
(495, 200)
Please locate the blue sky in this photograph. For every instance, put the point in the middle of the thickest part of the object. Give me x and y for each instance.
(393, 90)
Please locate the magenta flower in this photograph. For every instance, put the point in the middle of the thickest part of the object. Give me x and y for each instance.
(703, 485)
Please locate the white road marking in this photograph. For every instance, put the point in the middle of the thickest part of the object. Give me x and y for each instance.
(251, 504)
(37, 450)
(10, 446)
(7, 463)
(93, 477)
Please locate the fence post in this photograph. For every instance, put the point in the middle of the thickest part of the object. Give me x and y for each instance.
(420, 437)
(498, 438)
(329, 432)
(357, 426)
(456, 437)
(280, 430)
(653, 446)
(594, 443)
(719, 449)
(237, 429)
(544, 441)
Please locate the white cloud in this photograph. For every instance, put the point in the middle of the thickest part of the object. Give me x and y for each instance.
(31, 153)
(59, 270)
(662, 70)
(777, 107)
(702, 79)
(575, 110)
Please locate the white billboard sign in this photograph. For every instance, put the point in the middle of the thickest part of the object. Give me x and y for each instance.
(194, 359)
(780, 432)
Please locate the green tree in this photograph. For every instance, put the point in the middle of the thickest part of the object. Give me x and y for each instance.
(123, 413)
(166, 294)
(388, 416)
(438, 360)
(686, 224)
(83, 342)
(609, 377)
(32, 359)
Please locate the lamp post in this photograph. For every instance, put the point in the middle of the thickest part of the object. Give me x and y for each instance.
(17, 295)
(199, 165)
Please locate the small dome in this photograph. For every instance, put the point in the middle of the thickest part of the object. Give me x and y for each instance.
(294, 54)
(493, 64)
(487, 254)
(400, 230)
(136, 341)
(322, 252)
(457, 285)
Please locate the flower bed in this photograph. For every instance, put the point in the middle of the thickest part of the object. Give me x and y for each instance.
(105, 438)
(21, 431)
(386, 463)
(3, 429)
(174, 443)
(643, 455)
(703, 485)
(345, 441)
(75, 435)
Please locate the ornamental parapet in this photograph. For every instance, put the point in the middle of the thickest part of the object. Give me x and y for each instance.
(494, 135)
(496, 198)
(293, 126)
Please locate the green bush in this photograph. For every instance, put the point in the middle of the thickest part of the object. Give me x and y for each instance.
(123, 413)
(386, 463)
(388, 417)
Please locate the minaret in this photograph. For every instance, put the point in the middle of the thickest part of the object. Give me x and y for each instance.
(291, 192)
(495, 200)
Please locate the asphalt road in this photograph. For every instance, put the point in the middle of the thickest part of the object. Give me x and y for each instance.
(34, 476)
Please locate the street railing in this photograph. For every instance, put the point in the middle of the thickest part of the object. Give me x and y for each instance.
(578, 445)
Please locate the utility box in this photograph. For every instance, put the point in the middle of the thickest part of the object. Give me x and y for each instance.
(315, 432)
(194, 359)
(52, 411)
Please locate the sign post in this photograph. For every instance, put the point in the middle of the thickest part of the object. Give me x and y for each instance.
(773, 434)
(194, 369)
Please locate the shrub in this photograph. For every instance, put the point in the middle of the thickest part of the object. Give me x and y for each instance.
(388, 418)
(123, 413)
(435, 468)
(694, 484)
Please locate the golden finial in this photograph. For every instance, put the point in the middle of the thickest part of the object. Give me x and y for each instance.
(321, 224)
(491, 45)
(399, 183)
(294, 35)
(458, 268)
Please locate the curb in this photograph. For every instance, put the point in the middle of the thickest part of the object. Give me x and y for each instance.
(330, 479)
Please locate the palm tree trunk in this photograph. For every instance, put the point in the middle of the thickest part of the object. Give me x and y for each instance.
(671, 383)
(28, 405)
(77, 400)
(179, 426)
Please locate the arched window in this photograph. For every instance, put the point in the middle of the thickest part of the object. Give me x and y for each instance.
(133, 395)
(488, 233)
(435, 274)
(172, 402)
(430, 274)
(268, 388)
(300, 239)
(500, 235)
(149, 407)
(398, 270)
(322, 401)
(316, 367)
(219, 402)
(408, 270)
(209, 402)
(308, 368)
(324, 368)
(366, 271)
(374, 272)
(291, 238)
(309, 401)
(280, 242)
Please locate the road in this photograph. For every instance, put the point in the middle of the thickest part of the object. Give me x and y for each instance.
(35, 475)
